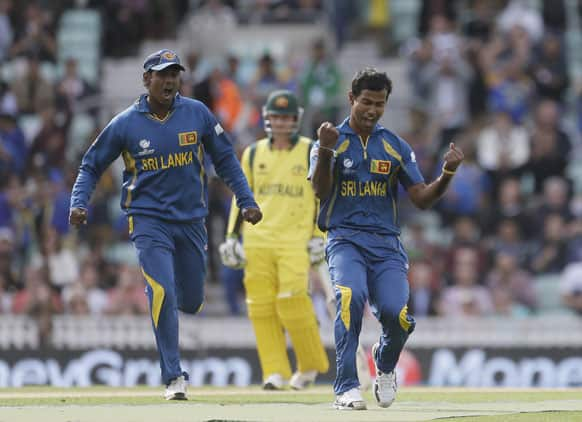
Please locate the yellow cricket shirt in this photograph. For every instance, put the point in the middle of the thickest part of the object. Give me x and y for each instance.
(278, 179)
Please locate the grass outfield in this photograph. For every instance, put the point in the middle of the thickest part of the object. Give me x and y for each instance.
(103, 404)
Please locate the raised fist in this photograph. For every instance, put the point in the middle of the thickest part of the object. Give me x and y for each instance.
(328, 135)
(453, 158)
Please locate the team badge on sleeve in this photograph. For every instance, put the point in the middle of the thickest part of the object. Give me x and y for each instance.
(380, 167)
(187, 138)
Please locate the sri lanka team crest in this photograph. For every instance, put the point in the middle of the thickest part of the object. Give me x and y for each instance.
(187, 138)
(380, 166)
(168, 55)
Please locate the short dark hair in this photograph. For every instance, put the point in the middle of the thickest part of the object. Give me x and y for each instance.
(372, 79)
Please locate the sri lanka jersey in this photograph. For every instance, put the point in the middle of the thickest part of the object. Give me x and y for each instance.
(164, 173)
(366, 174)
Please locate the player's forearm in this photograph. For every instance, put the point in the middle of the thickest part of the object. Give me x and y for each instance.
(83, 188)
(322, 179)
(425, 196)
(234, 220)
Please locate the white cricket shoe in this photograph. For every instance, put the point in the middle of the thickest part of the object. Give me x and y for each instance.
(385, 385)
(302, 380)
(274, 382)
(176, 389)
(350, 400)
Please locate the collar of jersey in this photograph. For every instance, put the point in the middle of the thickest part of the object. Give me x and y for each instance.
(347, 129)
(294, 140)
(143, 107)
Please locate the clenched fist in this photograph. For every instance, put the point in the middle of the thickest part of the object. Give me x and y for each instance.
(77, 217)
(328, 135)
(453, 158)
(252, 215)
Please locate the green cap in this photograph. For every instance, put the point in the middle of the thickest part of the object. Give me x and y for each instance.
(282, 102)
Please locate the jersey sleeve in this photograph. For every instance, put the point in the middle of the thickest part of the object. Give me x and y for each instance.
(313, 155)
(410, 174)
(313, 158)
(234, 209)
(106, 148)
(225, 162)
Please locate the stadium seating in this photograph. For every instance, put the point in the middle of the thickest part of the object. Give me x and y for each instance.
(547, 290)
(79, 36)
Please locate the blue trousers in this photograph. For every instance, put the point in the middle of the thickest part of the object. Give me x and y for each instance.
(172, 257)
(367, 267)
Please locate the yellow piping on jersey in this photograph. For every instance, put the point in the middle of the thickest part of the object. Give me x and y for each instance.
(403, 318)
(131, 168)
(157, 119)
(391, 183)
(343, 147)
(201, 160)
(365, 146)
(346, 299)
(331, 205)
(390, 150)
(158, 295)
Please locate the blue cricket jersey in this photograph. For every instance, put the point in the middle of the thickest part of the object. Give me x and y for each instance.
(366, 175)
(164, 173)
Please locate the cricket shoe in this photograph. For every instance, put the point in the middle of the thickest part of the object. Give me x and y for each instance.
(274, 382)
(385, 385)
(302, 380)
(176, 389)
(350, 400)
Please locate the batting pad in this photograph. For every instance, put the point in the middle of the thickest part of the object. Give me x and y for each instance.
(298, 318)
(271, 343)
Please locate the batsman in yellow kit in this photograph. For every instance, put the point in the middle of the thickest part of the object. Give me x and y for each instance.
(278, 251)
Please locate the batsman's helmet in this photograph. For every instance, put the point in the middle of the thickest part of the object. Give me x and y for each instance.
(282, 103)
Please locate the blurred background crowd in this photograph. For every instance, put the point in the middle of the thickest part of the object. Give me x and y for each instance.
(502, 79)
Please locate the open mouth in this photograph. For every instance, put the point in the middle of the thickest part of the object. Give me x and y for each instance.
(167, 92)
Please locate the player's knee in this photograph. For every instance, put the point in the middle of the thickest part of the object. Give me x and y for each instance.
(192, 307)
(294, 305)
(399, 317)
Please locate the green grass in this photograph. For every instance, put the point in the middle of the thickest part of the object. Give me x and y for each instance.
(522, 417)
(145, 404)
(29, 396)
(489, 396)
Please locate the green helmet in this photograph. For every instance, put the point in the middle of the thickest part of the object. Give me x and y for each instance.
(282, 102)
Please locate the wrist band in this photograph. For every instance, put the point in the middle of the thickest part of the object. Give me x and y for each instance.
(328, 149)
(449, 172)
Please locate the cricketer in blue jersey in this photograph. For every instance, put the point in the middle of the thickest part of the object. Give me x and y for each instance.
(162, 138)
(355, 170)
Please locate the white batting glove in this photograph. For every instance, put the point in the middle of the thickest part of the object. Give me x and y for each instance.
(316, 248)
(232, 254)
